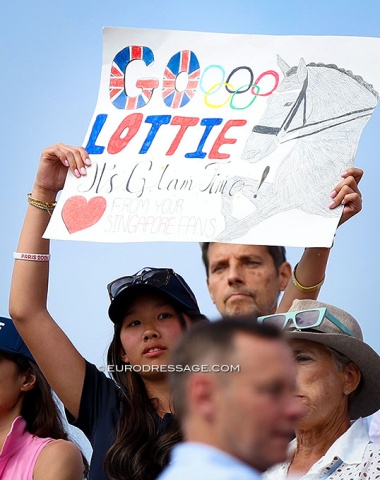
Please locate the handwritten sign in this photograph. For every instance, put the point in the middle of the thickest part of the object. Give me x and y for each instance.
(219, 137)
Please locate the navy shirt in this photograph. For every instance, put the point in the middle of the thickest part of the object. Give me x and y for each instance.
(99, 412)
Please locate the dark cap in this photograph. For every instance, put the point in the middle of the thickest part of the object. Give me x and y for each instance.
(163, 280)
(10, 340)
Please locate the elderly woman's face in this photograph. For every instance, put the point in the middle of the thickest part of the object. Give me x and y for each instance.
(320, 385)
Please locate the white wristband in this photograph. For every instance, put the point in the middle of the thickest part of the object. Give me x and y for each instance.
(34, 257)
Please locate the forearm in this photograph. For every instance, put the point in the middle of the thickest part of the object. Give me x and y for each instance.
(310, 272)
(24, 300)
(49, 345)
(30, 278)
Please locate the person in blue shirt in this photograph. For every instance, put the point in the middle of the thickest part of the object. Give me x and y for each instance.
(233, 384)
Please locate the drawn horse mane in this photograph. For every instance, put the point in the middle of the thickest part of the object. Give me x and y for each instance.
(322, 110)
(358, 78)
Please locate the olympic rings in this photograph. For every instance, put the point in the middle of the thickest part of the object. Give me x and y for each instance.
(250, 103)
(210, 92)
(219, 67)
(249, 84)
(253, 87)
(277, 81)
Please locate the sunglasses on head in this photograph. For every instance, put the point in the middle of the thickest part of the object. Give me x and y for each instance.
(304, 319)
(155, 277)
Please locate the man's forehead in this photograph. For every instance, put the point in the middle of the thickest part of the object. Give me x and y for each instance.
(220, 250)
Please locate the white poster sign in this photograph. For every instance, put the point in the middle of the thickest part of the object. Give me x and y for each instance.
(220, 137)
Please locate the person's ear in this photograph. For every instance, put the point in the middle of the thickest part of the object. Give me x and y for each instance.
(123, 356)
(201, 394)
(352, 378)
(284, 275)
(29, 381)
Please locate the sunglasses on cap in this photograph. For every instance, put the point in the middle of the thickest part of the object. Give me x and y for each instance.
(304, 319)
(155, 277)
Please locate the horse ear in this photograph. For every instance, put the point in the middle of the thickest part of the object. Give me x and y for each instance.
(302, 71)
(283, 65)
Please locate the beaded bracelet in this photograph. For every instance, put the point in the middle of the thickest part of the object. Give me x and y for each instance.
(300, 287)
(49, 207)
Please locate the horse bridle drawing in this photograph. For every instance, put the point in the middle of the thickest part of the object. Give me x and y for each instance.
(285, 133)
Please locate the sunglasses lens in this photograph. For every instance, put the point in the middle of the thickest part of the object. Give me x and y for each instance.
(156, 278)
(118, 284)
(276, 320)
(307, 319)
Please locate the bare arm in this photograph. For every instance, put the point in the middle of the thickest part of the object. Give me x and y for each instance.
(310, 271)
(59, 460)
(61, 363)
(312, 266)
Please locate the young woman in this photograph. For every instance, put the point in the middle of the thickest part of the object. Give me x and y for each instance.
(33, 441)
(128, 419)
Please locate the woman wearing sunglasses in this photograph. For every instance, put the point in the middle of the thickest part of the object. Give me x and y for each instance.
(128, 418)
(33, 442)
(338, 380)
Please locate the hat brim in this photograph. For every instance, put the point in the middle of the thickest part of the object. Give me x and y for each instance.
(118, 306)
(16, 352)
(366, 399)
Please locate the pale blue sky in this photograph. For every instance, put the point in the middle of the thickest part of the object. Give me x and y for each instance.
(50, 53)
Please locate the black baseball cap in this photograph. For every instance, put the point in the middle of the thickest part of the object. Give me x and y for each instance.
(10, 340)
(164, 280)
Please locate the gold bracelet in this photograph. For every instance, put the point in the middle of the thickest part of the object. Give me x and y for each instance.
(49, 207)
(300, 287)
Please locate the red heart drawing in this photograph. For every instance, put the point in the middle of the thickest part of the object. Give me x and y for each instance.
(79, 214)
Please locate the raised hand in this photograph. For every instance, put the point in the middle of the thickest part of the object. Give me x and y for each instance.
(54, 164)
(347, 193)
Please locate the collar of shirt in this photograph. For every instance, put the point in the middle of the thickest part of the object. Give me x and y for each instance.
(15, 439)
(349, 447)
(199, 453)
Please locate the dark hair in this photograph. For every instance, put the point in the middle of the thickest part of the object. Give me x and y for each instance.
(39, 409)
(140, 451)
(276, 252)
(210, 344)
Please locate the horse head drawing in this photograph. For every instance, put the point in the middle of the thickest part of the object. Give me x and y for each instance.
(322, 110)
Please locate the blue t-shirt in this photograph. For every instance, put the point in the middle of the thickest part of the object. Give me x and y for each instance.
(99, 411)
(198, 461)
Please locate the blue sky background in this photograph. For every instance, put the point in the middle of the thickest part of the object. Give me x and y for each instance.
(50, 60)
